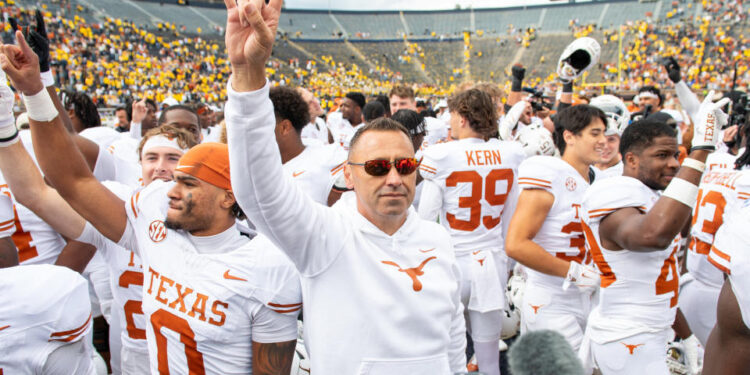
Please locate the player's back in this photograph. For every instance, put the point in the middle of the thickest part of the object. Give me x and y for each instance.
(561, 234)
(42, 308)
(720, 189)
(316, 169)
(636, 286)
(476, 178)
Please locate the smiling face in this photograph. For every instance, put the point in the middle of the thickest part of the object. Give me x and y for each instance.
(658, 163)
(611, 150)
(158, 163)
(384, 198)
(589, 143)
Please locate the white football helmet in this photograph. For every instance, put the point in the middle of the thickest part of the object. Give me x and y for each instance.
(536, 140)
(577, 58)
(617, 113)
(676, 361)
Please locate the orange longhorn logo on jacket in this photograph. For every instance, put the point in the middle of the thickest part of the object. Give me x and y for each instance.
(412, 272)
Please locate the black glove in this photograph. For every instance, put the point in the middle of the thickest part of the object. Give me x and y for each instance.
(13, 24)
(673, 68)
(36, 36)
(518, 72)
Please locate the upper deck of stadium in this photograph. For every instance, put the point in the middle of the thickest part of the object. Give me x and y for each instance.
(354, 26)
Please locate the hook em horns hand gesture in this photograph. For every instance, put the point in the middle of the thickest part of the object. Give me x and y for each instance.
(21, 65)
(250, 33)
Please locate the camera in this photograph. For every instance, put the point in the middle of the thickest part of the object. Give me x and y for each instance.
(538, 101)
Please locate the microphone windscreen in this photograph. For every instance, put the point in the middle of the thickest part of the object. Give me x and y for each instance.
(543, 352)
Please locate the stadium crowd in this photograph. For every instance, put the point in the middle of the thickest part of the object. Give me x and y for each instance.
(248, 214)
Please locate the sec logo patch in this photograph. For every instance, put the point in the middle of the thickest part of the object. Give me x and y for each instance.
(570, 183)
(157, 231)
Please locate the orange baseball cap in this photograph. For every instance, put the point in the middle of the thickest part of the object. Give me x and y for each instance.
(207, 162)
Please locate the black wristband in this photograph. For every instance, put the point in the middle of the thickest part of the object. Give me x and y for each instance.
(704, 148)
(507, 107)
(517, 85)
(567, 87)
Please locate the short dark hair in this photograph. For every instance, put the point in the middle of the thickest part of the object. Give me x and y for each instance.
(641, 134)
(654, 90)
(120, 108)
(381, 124)
(574, 119)
(289, 105)
(163, 115)
(477, 108)
(386, 102)
(357, 97)
(373, 110)
(411, 120)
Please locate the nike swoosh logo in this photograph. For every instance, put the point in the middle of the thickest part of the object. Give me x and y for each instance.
(295, 174)
(230, 277)
(426, 251)
(2, 328)
(475, 252)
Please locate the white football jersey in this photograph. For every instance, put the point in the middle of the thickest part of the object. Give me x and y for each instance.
(436, 131)
(476, 177)
(720, 189)
(316, 169)
(615, 170)
(127, 165)
(37, 242)
(721, 160)
(729, 254)
(208, 298)
(561, 234)
(342, 130)
(7, 215)
(42, 307)
(636, 286)
(315, 130)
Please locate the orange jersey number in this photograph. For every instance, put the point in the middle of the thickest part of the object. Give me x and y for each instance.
(164, 319)
(473, 202)
(21, 238)
(665, 285)
(607, 277)
(577, 240)
(717, 200)
(132, 307)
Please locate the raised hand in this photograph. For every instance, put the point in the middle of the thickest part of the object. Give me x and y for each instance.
(38, 40)
(139, 110)
(21, 65)
(708, 122)
(673, 68)
(250, 32)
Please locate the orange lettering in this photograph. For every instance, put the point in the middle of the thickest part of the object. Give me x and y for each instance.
(479, 158)
(470, 158)
(215, 310)
(164, 280)
(576, 206)
(180, 298)
(131, 263)
(496, 156)
(487, 157)
(153, 273)
(199, 306)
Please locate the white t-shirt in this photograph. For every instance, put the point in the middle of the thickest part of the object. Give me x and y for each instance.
(208, 297)
(373, 302)
(316, 169)
(639, 289)
(474, 179)
(42, 308)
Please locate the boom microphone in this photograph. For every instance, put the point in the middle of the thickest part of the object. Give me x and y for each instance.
(543, 352)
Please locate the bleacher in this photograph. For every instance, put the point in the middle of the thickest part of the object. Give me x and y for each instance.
(441, 23)
(371, 25)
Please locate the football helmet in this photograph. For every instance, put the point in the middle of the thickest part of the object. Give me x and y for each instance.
(618, 116)
(536, 140)
(577, 58)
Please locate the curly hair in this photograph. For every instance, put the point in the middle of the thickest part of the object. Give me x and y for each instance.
(185, 139)
(289, 105)
(477, 108)
(84, 108)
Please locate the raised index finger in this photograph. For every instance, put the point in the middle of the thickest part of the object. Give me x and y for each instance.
(231, 4)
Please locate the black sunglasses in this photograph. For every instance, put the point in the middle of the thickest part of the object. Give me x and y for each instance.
(379, 167)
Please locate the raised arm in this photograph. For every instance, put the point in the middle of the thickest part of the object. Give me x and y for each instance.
(306, 231)
(56, 152)
(631, 229)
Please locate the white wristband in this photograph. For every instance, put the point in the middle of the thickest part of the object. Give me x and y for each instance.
(682, 191)
(47, 78)
(40, 106)
(695, 164)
